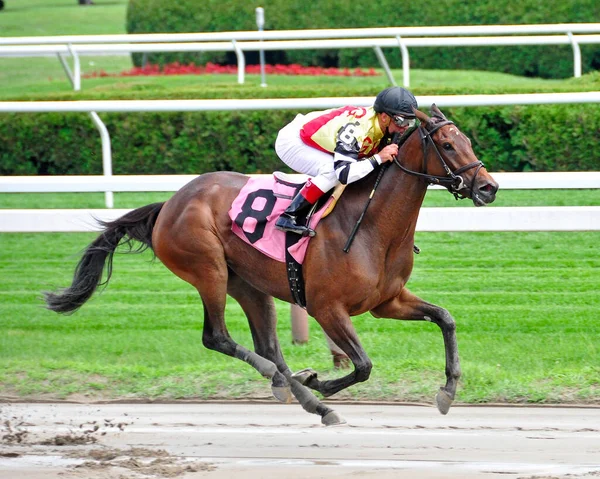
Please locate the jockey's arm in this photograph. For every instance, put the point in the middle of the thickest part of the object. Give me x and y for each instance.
(349, 169)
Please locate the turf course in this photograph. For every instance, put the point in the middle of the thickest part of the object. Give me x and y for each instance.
(526, 305)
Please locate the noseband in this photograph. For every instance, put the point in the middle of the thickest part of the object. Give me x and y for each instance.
(453, 182)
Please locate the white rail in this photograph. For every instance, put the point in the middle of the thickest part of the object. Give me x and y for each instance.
(459, 30)
(97, 183)
(240, 42)
(113, 106)
(98, 49)
(585, 218)
(540, 218)
(92, 107)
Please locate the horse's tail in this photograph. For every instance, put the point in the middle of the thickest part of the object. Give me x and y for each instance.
(136, 225)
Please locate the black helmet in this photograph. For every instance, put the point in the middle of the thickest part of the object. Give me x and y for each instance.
(396, 100)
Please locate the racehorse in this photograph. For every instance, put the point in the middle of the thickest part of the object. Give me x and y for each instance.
(191, 234)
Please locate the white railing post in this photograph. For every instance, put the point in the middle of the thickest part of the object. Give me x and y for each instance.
(260, 23)
(76, 68)
(405, 62)
(66, 68)
(385, 65)
(106, 156)
(241, 62)
(576, 55)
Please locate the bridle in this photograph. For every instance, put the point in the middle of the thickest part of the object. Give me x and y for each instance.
(453, 181)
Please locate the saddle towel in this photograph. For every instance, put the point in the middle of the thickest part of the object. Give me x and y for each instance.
(256, 208)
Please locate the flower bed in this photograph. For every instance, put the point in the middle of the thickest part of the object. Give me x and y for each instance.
(214, 69)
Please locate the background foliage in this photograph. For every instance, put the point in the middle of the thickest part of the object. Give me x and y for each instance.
(149, 16)
(532, 138)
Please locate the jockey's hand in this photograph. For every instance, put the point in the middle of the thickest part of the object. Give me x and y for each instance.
(388, 153)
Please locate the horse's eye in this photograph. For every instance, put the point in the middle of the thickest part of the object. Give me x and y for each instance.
(447, 146)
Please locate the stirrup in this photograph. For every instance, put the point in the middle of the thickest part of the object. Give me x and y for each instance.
(298, 229)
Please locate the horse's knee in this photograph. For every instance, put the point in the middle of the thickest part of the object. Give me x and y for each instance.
(445, 320)
(362, 370)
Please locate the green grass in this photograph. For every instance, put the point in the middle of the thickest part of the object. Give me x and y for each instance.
(433, 198)
(44, 78)
(526, 306)
(62, 17)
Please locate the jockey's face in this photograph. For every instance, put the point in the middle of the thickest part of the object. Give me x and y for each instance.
(395, 124)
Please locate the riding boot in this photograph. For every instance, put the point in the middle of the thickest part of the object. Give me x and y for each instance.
(290, 219)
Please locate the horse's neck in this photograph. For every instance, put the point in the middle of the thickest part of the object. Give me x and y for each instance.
(399, 197)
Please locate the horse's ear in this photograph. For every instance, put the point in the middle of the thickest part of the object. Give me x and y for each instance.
(436, 112)
(421, 116)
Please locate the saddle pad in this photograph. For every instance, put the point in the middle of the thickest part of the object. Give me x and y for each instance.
(256, 208)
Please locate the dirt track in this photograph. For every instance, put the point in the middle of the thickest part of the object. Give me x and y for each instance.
(257, 440)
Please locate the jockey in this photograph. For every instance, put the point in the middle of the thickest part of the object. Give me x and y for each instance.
(340, 146)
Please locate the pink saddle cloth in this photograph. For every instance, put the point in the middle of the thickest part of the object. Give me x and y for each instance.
(256, 208)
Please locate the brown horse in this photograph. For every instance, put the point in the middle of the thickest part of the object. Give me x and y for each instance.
(191, 234)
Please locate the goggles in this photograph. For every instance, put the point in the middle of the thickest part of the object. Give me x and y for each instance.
(403, 122)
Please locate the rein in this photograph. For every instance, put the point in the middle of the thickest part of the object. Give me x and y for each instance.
(453, 182)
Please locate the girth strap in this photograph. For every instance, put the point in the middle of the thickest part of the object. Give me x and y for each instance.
(294, 271)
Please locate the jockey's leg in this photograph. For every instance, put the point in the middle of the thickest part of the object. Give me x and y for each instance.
(309, 161)
(292, 219)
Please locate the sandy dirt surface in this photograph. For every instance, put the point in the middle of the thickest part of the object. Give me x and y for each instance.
(264, 440)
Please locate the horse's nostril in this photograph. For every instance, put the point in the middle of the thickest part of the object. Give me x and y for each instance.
(489, 188)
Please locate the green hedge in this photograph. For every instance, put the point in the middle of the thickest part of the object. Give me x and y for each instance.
(149, 16)
(532, 138)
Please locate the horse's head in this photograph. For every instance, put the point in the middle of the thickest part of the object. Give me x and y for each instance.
(449, 160)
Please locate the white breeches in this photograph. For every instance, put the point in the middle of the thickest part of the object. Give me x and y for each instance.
(303, 158)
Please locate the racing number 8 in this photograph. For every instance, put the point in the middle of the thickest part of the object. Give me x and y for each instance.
(259, 215)
(348, 133)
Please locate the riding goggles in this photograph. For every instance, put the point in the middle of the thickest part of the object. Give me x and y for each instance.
(403, 122)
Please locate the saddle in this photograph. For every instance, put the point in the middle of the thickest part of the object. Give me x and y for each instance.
(256, 208)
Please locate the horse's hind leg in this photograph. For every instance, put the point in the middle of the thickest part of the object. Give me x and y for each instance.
(207, 270)
(260, 311)
(337, 325)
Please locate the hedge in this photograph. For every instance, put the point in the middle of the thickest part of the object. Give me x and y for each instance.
(531, 138)
(150, 16)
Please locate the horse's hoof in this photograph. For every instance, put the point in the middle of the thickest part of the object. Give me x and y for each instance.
(443, 401)
(305, 375)
(282, 393)
(332, 418)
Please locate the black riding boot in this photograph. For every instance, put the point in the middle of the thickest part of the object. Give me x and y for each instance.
(289, 218)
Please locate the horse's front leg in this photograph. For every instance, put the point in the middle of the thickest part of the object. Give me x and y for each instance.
(337, 325)
(408, 306)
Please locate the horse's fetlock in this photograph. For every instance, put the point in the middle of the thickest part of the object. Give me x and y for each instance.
(279, 380)
(209, 342)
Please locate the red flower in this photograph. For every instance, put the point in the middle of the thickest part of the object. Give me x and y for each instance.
(176, 68)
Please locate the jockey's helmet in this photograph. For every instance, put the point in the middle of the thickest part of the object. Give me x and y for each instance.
(396, 100)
